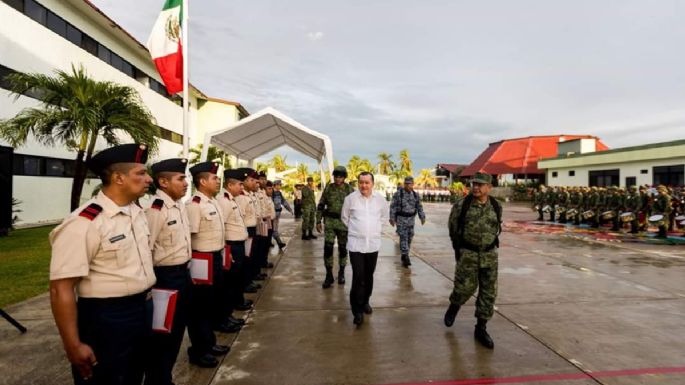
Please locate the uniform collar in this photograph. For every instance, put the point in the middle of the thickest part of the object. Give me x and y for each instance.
(202, 196)
(166, 198)
(111, 209)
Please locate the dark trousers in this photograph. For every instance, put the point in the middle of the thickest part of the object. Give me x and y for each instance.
(204, 311)
(236, 278)
(251, 261)
(117, 330)
(363, 266)
(298, 208)
(164, 347)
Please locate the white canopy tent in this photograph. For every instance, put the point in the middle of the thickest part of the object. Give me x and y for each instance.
(268, 130)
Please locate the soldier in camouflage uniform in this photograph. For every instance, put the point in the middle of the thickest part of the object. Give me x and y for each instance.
(563, 198)
(474, 227)
(403, 209)
(330, 206)
(615, 203)
(633, 204)
(551, 200)
(308, 210)
(539, 201)
(662, 205)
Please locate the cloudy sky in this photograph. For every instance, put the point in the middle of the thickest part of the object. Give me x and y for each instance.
(442, 78)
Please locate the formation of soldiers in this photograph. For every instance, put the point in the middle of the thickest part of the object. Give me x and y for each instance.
(637, 207)
(126, 281)
(426, 194)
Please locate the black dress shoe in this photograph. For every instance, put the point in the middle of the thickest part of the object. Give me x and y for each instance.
(451, 314)
(227, 327)
(281, 246)
(270, 265)
(204, 361)
(368, 309)
(483, 337)
(250, 289)
(245, 306)
(237, 321)
(219, 350)
(259, 277)
(263, 276)
(358, 319)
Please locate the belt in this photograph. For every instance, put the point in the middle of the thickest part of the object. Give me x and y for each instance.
(476, 249)
(331, 215)
(181, 267)
(403, 214)
(235, 242)
(129, 299)
(279, 210)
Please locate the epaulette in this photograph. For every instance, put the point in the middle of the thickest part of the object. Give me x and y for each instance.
(90, 212)
(226, 195)
(157, 204)
(197, 199)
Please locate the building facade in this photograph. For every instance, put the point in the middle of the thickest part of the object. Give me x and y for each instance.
(651, 164)
(48, 35)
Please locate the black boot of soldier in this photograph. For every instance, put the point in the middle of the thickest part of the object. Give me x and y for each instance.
(405, 260)
(305, 237)
(329, 278)
(311, 235)
(451, 314)
(662, 232)
(341, 275)
(481, 334)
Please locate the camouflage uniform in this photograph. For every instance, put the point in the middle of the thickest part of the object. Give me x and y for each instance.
(403, 210)
(551, 200)
(476, 269)
(330, 206)
(308, 210)
(633, 204)
(662, 205)
(539, 201)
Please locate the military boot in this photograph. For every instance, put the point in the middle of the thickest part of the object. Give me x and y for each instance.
(305, 237)
(481, 334)
(341, 275)
(311, 235)
(451, 314)
(405, 260)
(329, 278)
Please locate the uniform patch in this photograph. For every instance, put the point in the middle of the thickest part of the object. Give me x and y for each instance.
(196, 199)
(117, 238)
(212, 213)
(226, 196)
(157, 204)
(90, 212)
(171, 222)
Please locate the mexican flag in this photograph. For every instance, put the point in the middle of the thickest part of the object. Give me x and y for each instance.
(165, 44)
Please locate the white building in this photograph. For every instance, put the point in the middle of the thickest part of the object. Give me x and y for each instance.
(653, 164)
(45, 35)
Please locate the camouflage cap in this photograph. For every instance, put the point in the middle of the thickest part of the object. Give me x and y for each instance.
(409, 179)
(481, 177)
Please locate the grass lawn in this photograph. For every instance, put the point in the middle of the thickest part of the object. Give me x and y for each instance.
(24, 264)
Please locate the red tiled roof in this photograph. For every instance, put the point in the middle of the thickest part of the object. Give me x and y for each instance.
(521, 155)
(452, 167)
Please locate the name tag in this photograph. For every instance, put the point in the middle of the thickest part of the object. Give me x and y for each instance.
(117, 238)
(171, 222)
(212, 213)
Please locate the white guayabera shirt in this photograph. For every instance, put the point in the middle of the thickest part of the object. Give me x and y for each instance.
(364, 218)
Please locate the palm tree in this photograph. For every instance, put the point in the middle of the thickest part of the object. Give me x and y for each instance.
(353, 167)
(426, 178)
(75, 111)
(365, 166)
(214, 154)
(405, 161)
(261, 167)
(302, 173)
(397, 176)
(278, 162)
(385, 164)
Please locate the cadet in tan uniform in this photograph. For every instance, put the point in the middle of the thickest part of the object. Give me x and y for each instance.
(249, 206)
(263, 239)
(101, 255)
(170, 245)
(271, 211)
(206, 236)
(235, 234)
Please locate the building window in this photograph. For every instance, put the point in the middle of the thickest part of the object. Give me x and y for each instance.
(669, 175)
(170, 135)
(604, 178)
(631, 181)
(56, 24)
(74, 35)
(55, 167)
(572, 173)
(32, 165)
(104, 54)
(554, 174)
(35, 11)
(89, 44)
(644, 171)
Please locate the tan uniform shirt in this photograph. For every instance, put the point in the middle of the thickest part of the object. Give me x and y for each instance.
(169, 231)
(298, 194)
(233, 218)
(206, 223)
(262, 200)
(270, 208)
(248, 206)
(107, 247)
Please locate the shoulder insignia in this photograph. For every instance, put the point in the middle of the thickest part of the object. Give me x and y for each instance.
(157, 204)
(197, 199)
(226, 195)
(90, 212)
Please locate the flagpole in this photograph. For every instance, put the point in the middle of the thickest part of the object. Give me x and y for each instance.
(186, 114)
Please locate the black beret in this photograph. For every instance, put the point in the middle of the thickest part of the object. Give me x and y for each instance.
(170, 165)
(269, 183)
(236, 174)
(262, 174)
(125, 153)
(249, 172)
(211, 167)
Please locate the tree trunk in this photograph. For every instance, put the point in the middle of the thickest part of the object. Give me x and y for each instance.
(80, 171)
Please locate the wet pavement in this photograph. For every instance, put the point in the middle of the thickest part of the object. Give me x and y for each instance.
(570, 310)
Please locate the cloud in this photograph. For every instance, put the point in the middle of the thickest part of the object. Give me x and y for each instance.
(314, 36)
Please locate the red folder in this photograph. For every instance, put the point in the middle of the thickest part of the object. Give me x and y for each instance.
(228, 258)
(201, 268)
(164, 302)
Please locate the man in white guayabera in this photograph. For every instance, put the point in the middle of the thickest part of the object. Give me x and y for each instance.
(364, 213)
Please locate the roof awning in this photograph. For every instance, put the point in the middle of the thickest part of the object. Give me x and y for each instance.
(268, 130)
